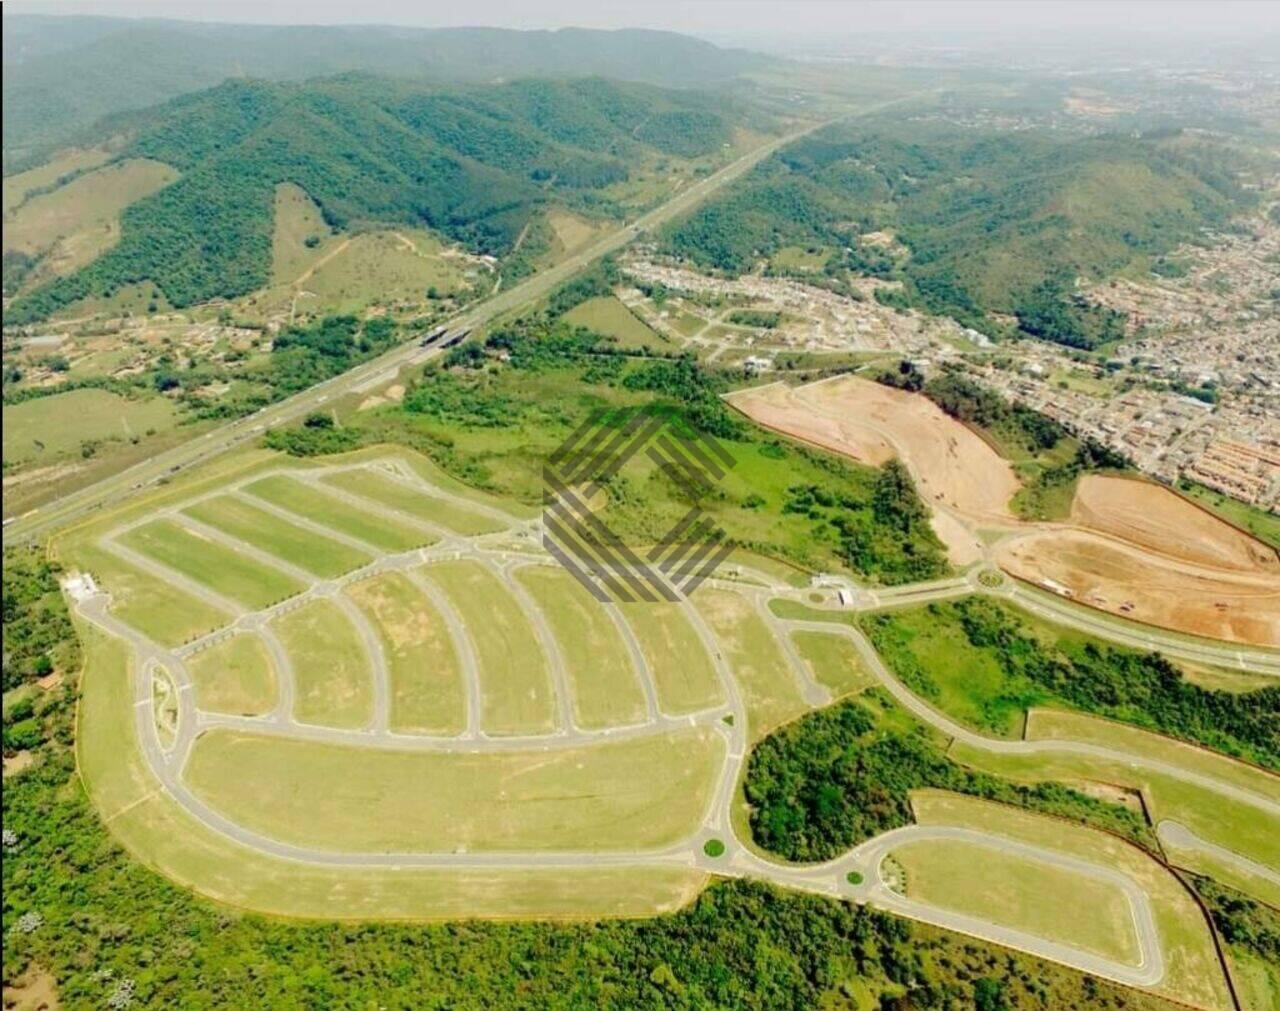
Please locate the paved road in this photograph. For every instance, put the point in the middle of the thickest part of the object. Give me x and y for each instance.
(117, 487)
(167, 759)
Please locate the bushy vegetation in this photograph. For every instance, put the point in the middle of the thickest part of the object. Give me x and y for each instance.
(1144, 689)
(839, 776)
(38, 638)
(992, 222)
(472, 163)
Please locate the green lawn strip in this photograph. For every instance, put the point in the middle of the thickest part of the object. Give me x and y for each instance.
(216, 566)
(1021, 892)
(769, 686)
(159, 611)
(332, 673)
(268, 532)
(683, 675)
(234, 676)
(1216, 818)
(634, 794)
(303, 500)
(369, 483)
(426, 676)
(515, 679)
(606, 688)
(1193, 973)
(1262, 524)
(833, 661)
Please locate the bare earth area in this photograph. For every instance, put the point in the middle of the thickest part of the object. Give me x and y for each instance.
(1154, 517)
(1132, 548)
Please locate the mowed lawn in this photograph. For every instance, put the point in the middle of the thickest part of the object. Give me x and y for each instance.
(1193, 973)
(635, 794)
(385, 490)
(1016, 891)
(833, 661)
(381, 532)
(606, 689)
(769, 687)
(157, 609)
(426, 676)
(48, 428)
(220, 568)
(681, 670)
(515, 680)
(234, 676)
(333, 679)
(267, 532)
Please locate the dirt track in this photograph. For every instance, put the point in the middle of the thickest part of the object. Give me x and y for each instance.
(1131, 548)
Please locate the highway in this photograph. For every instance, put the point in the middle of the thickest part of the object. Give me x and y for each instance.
(110, 490)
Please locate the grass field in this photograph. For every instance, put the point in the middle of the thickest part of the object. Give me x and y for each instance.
(514, 678)
(833, 661)
(1019, 892)
(640, 793)
(297, 221)
(608, 317)
(371, 484)
(681, 669)
(268, 532)
(376, 530)
(769, 688)
(330, 667)
(157, 610)
(426, 676)
(606, 691)
(17, 186)
(220, 568)
(50, 428)
(234, 676)
(80, 220)
(1193, 974)
(147, 822)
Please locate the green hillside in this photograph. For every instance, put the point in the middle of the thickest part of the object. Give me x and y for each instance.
(991, 222)
(473, 163)
(123, 64)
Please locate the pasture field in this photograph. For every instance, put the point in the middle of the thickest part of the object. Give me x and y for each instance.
(426, 674)
(515, 680)
(768, 685)
(385, 490)
(606, 691)
(147, 822)
(221, 568)
(18, 185)
(297, 221)
(49, 428)
(635, 794)
(375, 529)
(1023, 893)
(268, 532)
(607, 316)
(155, 608)
(1192, 972)
(331, 669)
(833, 662)
(78, 221)
(682, 672)
(234, 676)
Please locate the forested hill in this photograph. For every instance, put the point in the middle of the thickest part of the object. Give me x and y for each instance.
(62, 74)
(471, 162)
(988, 222)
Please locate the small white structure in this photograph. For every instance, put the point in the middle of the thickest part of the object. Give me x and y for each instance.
(80, 586)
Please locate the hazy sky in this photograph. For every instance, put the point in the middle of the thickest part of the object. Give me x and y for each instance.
(716, 18)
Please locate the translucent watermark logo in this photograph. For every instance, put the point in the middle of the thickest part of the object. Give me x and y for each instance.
(577, 478)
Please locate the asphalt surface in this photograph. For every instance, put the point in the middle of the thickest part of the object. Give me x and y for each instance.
(168, 758)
